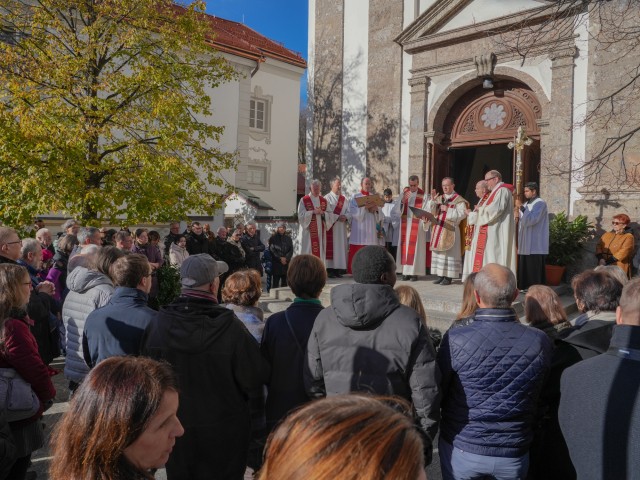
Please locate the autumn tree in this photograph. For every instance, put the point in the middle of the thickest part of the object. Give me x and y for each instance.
(104, 112)
(612, 119)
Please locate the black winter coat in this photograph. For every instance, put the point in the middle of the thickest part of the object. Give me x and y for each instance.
(253, 247)
(280, 246)
(218, 364)
(600, 410)
(197, 244)
(286, 355)
(366, 341)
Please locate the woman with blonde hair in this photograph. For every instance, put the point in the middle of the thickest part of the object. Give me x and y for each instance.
(241, 293)
(543, 310)
(19, 352)
(410, 297)
(469, 304)
(346, 437)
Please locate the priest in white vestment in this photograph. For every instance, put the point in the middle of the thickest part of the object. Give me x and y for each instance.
(450, 209)
(482, 192)
(337, 218)
(411, 258)
(496, 236)
(311, 216)
(366, 222)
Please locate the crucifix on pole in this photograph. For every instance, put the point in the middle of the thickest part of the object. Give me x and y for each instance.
(520, 141)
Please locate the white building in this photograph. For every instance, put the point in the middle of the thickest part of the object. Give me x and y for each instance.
(260, 112)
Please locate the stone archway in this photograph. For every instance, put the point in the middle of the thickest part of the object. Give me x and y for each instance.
(474, 133)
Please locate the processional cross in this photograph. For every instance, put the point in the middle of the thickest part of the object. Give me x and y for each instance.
(521, 141)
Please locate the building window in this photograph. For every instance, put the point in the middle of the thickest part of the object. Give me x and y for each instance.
(258, 115)
(257, 176)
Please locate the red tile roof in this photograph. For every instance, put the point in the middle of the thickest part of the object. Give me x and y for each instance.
(238, 39)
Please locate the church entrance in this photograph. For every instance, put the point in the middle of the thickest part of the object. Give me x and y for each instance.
(477, 132)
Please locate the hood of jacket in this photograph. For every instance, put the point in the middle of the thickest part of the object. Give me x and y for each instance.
(82, 279)
(193, 324)
(361, 306)
(177, 249)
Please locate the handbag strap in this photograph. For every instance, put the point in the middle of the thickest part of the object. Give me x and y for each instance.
(286, 317)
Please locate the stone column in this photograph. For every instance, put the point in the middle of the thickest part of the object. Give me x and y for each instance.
(418, 126)
(557, 138)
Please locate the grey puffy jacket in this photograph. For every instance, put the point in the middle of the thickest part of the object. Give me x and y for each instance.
(88, 291)
(367, 341)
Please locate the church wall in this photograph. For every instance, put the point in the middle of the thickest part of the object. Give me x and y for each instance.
(384, 84)
(613, 185)
(326, 97)
(354, 94)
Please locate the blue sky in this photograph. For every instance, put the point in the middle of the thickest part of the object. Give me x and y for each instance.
(281, 20)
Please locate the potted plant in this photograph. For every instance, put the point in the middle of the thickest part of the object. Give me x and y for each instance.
(566, 239)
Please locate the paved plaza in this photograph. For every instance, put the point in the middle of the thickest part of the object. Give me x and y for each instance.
(441, 303)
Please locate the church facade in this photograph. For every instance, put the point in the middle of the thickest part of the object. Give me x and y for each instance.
(440, 87)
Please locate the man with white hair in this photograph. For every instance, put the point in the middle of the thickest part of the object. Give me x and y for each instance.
(42, 308)
(312, 211)
(496, 240)
(492, 374)
(46, 242)
(336, 254)
(87, 236)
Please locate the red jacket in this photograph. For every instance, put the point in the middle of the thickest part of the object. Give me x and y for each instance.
(20, 352)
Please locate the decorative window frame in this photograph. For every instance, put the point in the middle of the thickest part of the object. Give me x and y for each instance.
(263, 133)
(258, 161)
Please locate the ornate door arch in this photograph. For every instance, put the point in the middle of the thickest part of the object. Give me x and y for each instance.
(483, 117)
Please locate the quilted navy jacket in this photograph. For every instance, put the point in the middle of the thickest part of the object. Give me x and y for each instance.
(492, 373)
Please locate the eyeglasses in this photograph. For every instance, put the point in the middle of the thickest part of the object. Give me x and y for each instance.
(490, 178)
(617, 223)
(11, 243)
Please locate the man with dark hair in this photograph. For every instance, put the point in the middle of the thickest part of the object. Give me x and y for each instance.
(123, 240)
(533, 238)
(492, 374)
(118, 327)
(367, 341)
(600, 401)
(219, 365)
(197, 241)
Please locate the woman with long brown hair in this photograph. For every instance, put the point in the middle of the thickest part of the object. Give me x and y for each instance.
(469, 304)
(544, 311)
(121, 423)
(347, 437)
(19, 351)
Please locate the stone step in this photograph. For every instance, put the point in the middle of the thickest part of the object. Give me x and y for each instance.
(442, 304)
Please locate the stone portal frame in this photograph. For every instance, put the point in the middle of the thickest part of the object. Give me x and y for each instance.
(434, 137)
(443, 104)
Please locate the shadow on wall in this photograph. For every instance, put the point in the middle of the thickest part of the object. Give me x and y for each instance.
(338, 129)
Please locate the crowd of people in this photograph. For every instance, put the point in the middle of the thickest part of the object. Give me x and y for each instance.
(207, 387)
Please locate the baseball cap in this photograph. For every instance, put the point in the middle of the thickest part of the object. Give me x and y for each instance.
(200, 269)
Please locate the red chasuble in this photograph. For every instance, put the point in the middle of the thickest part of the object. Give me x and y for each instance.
(478, 258)
(313, 226)
(337, 210)
(408, 254)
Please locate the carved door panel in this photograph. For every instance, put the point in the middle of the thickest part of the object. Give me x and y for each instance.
(441, 166)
